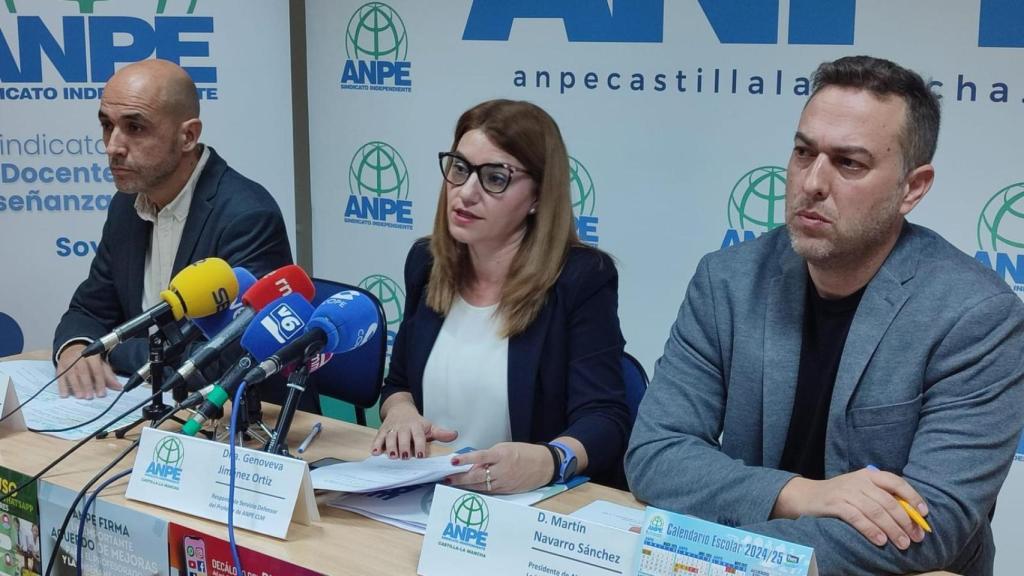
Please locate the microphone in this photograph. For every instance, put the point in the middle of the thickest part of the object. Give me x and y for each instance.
(277, 324)
(213, 325)
(201, 289)
(288, 280)
(189, 333)
(343, 322)
(208, 327)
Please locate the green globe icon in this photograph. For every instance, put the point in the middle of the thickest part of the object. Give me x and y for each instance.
(169, 451)
(1001, 224)
(470, 510)
(376, 32)
(378, 169)
(391, 297)
(581, 186)
(758, 200)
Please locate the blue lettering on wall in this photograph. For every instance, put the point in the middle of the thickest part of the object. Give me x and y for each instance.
(585, 20)
(1001, 24)
(106, 46)
(67, 247)
(811, 22)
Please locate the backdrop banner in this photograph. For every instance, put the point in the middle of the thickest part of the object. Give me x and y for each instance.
(55, 186)
(679, 117)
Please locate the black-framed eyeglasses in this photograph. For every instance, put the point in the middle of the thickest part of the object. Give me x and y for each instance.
(494, 177)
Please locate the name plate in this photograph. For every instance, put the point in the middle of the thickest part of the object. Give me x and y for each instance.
(191, 475)
(674, 544)
(469, 533)
(8, 404)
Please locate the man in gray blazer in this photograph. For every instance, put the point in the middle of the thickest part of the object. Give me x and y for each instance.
(847, 341)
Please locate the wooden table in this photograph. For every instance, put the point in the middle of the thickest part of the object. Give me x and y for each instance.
(341, 543)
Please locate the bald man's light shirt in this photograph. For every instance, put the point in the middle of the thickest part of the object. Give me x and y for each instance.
(168, 227)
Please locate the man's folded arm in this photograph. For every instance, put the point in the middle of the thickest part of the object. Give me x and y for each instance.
(969, 427)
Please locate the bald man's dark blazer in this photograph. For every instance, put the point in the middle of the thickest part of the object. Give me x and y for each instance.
(231, 217)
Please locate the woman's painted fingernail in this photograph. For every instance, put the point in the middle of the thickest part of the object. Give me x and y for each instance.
(455, 461)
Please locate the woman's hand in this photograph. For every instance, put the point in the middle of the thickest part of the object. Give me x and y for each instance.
(404, 432)
(506, 468)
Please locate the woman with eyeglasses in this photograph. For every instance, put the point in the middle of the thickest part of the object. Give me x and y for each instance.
(510, 343)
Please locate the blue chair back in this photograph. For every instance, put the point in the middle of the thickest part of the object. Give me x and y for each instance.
(636, 383)
(356, 376)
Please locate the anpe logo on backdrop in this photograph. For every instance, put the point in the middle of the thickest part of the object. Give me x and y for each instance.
(757, 204)
(86, 47)
(584, 199)
(392, 299)
(467, 524)
(378, 181)
(377, 46)
(750, 22)
(165, 467)
(1001, 235)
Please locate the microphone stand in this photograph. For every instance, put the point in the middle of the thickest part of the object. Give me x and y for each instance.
(278, 443)
(167, 336)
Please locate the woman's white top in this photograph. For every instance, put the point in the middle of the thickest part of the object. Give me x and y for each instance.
(465, 381)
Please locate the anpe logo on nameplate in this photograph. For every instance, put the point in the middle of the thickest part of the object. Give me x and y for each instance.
(469, 533)
(271, 490)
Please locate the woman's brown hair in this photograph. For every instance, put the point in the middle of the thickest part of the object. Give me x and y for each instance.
(529, 134)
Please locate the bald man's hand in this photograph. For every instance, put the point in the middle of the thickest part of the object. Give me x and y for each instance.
(88, 378)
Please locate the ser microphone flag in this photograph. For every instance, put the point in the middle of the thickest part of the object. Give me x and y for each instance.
(286, 281)
(201, 289)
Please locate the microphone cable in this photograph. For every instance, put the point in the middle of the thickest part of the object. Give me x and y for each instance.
(106, 410)
(40, 391)
(85, 511)
(81, 494)
(231, 481)
(79, 444)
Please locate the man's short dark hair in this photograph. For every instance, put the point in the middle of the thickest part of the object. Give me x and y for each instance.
(920, 132)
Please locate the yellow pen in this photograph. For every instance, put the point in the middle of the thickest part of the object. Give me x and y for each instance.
(914, 514)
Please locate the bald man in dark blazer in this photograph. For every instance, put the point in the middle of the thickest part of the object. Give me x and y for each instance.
(179, 202)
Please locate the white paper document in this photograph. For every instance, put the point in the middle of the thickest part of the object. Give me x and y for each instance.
(49, 411)
(611, 514)
(381, 473)
(408, 507)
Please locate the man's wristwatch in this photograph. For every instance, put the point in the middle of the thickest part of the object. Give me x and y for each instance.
(565, 466)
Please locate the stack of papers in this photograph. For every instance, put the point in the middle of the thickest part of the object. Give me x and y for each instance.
(408, 507)
(383, 473)
(50, 411)
(611, 514)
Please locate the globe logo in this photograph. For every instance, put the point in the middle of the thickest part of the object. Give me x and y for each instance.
(169, 451)
(376, 32)
(378, 169)
(657, 525)
(758, 200)
(391, 296)
(581, 187)
(469, 510)
(1001, 224)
